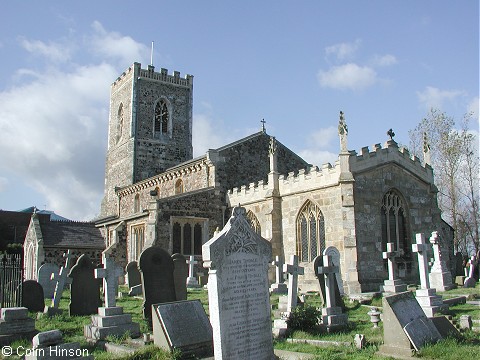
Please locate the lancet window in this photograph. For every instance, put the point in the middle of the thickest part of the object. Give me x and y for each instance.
(310, 232)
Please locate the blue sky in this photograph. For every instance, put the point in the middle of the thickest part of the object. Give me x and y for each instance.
(294, 63)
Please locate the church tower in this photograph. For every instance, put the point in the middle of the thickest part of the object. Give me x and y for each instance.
(150, 128)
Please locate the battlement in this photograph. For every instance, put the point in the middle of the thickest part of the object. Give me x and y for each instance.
(150, 73)
(303, 180)
(390, 152)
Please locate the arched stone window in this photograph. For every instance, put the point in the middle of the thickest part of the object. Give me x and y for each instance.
(162, 119)
(394, 225)
(310, 232)
(30, 262)
(137, 241)
(254, 222)
(179, 187)
(120, 120)
(136, 204)
(188, 235)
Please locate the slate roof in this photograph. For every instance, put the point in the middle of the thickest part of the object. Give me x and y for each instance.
(70, 234)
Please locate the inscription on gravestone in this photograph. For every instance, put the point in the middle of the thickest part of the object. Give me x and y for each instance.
(238, 261)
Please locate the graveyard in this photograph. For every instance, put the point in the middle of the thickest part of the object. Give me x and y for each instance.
(320, 345)
(238, 314)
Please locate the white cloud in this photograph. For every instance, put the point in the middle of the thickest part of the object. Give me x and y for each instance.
(473, 107)
(318, 143)
(343, 51)
(207, 134)
(348, 76)
(114, 46)
(53, 130)
(384, 60)
(433, 97)
(55, 52)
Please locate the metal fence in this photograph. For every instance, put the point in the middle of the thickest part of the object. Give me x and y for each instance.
(11, 277)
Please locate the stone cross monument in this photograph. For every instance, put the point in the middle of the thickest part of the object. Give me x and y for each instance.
(191, 280)
(393, 284)
(62, 279)
(440, 277)
(426, 297)
(332, 316)
(110, 274)
(279, 286)
(293, 270)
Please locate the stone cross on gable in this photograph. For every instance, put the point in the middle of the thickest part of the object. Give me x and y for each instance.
(390, 255)
(110, 274)
(329, 270)
(421, 249)
(62, 279)
(293, 270)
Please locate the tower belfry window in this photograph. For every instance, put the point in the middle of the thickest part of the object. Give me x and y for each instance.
(161, 118)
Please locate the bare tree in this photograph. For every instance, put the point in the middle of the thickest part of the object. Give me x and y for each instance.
(454, 158)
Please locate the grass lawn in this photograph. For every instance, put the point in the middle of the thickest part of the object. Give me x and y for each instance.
(359, 323)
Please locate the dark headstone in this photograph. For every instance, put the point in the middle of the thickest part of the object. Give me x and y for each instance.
(85, 289)
(445, 327)
(156, 268)
(180, 274)
(32, 296)
(459, 264)
(133, 274)
(317, 262)
(184, 326)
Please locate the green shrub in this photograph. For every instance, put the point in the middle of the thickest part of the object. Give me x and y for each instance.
(304, 318)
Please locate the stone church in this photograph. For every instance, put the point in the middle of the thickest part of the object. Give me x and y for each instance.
(157, 194)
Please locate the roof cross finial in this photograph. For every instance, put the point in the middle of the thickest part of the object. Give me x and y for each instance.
(391, 134)
(263, 125)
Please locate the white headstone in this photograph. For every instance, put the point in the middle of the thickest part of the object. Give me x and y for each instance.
(335, 255)
(239, 302)
(420, 247)
(440, 277)
(46, 279)
(110, 274)
(191, 280)
(293, 270)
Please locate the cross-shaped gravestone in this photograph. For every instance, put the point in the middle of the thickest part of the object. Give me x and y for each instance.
(293, 270)
(440, 276)
(329, 270)
(278, 269)
(191, 280)
(390, 255)
(110, 274)
(62, 279)
(421, 249)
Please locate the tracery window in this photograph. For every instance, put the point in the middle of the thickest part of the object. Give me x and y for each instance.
(310, 232)
(162, 118)
(188, 235)
(394, 226)
(254, 222)
(137, 241)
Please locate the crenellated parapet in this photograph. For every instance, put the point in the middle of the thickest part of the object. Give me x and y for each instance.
(150, 73)
(308, 179)
(389, 153)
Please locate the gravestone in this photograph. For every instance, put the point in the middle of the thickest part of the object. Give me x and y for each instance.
(279, 286)
(440, 277)
(335, 256)
(293, 270)
(426, 297)
(332, 316)
(239, 302)
(110, 272)
(133, 274)
(32, 296)
(459, 269)
(393, 284)
(191, 280)
(470, 281)
(15, 324)
(49, 345)
(184, 326)
(156, 268)
(46, 278)
(85, 289)
(405, 326)
(317, 262)
(61, 278)
(180, 274)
